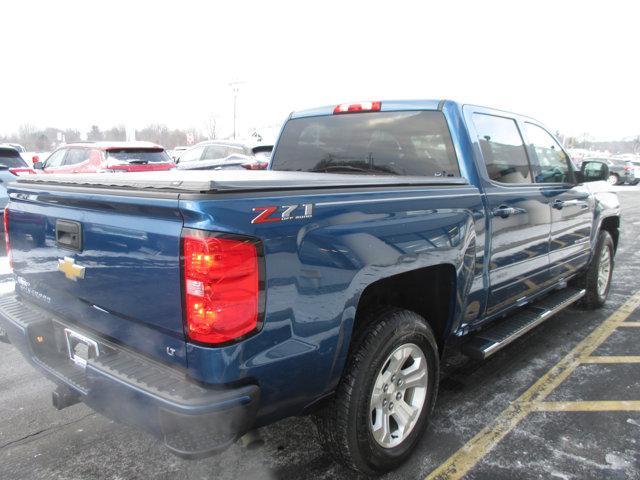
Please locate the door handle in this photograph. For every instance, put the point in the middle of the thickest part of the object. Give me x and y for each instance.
(503, 211)
(557, 204)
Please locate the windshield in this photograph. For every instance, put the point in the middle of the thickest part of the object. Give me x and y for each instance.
(139, 155)
(10, 158)
(396, 143)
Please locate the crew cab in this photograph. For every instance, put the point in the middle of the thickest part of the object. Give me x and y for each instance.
(101, 157)
(200, 305)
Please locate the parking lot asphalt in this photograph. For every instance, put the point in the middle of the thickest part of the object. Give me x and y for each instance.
(561, 402)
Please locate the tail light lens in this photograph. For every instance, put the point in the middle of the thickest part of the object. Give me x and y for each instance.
(255, 165)
(5, 221)
(222, 286)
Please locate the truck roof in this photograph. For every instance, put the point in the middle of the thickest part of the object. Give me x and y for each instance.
(395, 105)
(387, 105)
(204, 181)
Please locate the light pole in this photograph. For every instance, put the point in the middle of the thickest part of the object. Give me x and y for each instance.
(235, 86)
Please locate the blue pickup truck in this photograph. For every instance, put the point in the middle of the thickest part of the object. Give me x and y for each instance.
(203, 305)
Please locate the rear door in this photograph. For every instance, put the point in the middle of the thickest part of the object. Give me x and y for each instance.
(519, 220)
(571, 211)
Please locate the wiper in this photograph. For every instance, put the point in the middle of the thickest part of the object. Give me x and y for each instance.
(351, 168)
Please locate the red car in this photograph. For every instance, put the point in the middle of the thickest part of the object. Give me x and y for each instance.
(98, 157)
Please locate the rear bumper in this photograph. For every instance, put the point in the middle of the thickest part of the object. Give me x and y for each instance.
(192, 421)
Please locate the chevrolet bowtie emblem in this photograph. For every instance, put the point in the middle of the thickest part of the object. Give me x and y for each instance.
(70, 269)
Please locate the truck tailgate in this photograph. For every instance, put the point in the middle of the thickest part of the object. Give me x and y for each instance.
(107, 262)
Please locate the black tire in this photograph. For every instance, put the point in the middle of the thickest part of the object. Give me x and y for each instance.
(635, 182)
(344, 422)
(614, 179)
(589, 279)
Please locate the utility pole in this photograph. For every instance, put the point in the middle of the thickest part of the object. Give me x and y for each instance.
(235, 87)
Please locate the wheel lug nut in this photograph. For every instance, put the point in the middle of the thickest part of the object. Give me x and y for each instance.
(390, 406)
(384, 402)
(400, 382)
(385, 388)
(398, 395)
(393, 378)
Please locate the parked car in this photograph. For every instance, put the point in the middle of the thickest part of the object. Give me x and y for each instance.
(619, 173)
(11, 165)
(632, 172)
(223, 154)
(201, 305)
(101, 157)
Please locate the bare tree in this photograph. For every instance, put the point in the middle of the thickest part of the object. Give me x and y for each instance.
(211, 126)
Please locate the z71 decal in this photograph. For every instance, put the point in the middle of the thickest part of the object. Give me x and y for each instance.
(283, 213)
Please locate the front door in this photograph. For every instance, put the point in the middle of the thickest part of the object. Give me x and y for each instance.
(519, 219)
(571, 210)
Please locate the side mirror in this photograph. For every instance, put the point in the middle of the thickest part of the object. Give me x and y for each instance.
(593, 171)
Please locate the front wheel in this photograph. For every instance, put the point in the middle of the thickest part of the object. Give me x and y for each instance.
(596, 280)
(613, 179)
(383, 402)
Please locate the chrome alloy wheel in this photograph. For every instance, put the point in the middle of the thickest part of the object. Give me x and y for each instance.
(613, 179)
(604, 271)
(399, 394)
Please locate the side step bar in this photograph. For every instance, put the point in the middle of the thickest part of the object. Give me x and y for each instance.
(488, 341)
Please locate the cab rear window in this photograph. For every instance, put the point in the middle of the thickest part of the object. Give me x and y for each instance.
(394, 143)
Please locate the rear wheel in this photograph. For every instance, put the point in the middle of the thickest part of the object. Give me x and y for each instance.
(613, 179)
(384, 400)
(596, 280)
(635, 182)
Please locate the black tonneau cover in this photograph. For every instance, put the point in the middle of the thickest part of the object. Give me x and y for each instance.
(231, 180)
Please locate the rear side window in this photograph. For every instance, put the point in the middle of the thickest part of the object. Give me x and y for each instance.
(397, 143)
(502, 149)
(139, 155)
(553, 163)
(10, 158)
(213, 152)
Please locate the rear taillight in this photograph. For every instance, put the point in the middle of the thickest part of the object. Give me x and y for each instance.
(22, 171)
(7, 245)
(357, 107)
(222, 286)
(255, 165)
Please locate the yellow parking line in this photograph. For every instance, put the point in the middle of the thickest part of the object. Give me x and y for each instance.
(612, 359)
(630, 324)
(458, 464)
(597, 406)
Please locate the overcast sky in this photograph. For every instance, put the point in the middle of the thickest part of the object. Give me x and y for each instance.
(573, 65)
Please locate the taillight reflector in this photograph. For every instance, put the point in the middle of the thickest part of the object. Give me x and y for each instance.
(221, 286)
(5, 221)
(357, 107)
